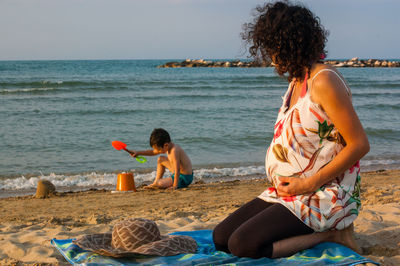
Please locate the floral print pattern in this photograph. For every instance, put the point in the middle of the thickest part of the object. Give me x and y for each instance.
(305, 140)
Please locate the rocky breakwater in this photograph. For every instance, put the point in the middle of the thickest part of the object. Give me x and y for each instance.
(204, 63)
(354, 62)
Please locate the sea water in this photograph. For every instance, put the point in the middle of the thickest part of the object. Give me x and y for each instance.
(58, 118)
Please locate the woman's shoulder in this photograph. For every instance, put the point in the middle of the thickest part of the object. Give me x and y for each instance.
(326, 82)
(323, 71)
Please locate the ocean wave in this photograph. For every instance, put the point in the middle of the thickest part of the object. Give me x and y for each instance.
(149, 110)
(104, 112)
(26, 90)
(375, 85)
(369, 94)
(382, 133)
(381, 162)
(224, 86)
(86, 180)
(66, 86)
(82, 180)
(216, 174)
(221, 173)
(175, 97)
(379, 107)
(82, 84)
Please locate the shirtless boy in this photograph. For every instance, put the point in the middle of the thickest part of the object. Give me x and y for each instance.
(176, 161)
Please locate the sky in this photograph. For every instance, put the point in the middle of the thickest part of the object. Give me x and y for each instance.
(179, 29)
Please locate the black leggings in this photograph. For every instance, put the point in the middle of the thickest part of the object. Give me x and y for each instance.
(253, 228)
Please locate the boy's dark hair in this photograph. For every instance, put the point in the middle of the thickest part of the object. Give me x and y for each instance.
(159, 137)
(289, 32)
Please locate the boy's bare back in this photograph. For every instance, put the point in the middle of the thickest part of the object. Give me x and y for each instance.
(176, 153)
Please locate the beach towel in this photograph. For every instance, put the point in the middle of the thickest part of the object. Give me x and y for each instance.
(322, 254)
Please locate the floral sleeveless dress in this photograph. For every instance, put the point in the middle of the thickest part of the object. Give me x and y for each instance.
(305, 140)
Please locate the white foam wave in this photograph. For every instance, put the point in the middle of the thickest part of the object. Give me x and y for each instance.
(104, 179)
(58, 82)
(382, 162)
(90, 180)
(378, 164)
(218, 173)
(26, 90)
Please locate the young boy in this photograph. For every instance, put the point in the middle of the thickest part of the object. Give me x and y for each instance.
(176, 161)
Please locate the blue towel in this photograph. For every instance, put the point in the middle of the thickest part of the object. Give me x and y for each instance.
(322, 254)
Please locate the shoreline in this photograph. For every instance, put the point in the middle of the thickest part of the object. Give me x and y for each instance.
(27, 224)
(26, 184)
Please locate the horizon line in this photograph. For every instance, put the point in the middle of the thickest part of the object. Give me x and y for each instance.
(147, 59)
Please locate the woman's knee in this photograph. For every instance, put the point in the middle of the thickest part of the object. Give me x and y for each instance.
(220, 238)
(241, 245)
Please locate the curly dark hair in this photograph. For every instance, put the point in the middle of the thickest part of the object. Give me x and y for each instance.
(288, 34)
(159, 137)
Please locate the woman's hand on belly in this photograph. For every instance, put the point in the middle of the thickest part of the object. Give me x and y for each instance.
(292, 186)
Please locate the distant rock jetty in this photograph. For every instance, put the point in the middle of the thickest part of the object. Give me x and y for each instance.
(204, 63)
(354, 62)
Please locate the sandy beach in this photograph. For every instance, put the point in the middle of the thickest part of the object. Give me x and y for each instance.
(27, 224)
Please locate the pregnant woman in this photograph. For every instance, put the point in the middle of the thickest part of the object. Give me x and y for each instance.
(313, 159)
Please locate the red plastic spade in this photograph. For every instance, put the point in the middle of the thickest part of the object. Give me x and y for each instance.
(119, 145)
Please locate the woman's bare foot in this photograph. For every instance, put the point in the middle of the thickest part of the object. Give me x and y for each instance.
(346, 238)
